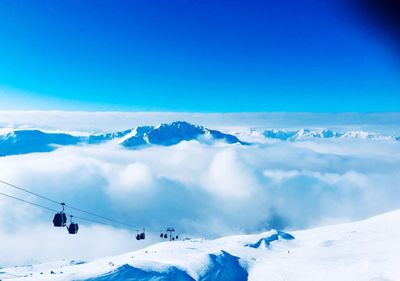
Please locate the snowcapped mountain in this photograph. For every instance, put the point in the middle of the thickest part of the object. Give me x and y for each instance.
(165, 135)
(303, 134)
(364, 250)
(170, 134)
(26, 141)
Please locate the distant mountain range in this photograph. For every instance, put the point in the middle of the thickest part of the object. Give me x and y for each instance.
(304, 134)
(26, 141)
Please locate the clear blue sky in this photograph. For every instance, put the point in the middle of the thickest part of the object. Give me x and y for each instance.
(182, 55)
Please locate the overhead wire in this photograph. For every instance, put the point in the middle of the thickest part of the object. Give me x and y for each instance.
(53, 210)
(100, 216)
(66, 205)
(28, 202)
(30, 192)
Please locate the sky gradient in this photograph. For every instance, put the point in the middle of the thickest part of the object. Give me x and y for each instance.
(198, 56)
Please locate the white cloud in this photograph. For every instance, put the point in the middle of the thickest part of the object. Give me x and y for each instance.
(134, 179)
(228, 177)
(278, 176)
(202, 190)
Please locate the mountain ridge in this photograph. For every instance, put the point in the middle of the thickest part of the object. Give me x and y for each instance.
(304, 134)
(166, 134)
(22, 141)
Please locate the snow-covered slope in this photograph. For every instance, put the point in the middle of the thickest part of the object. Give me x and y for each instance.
(303, 134)
(365, 250)
(26, 141)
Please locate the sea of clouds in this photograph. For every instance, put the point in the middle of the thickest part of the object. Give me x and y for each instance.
(202, 190)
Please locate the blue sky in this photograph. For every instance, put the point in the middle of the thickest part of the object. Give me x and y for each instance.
(203, 56)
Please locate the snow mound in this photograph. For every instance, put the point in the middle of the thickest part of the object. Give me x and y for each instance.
(224, 267)
(130, 273)
(266, 241)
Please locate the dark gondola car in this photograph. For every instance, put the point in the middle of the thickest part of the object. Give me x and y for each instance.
(162, 235)
(165, 236)
(142, 236)
(73, 228)
(138, 236)
(60, 219)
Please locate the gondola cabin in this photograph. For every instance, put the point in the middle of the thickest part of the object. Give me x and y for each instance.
(73, 228)
(60, 219)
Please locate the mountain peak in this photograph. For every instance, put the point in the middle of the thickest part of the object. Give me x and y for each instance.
(168, 134)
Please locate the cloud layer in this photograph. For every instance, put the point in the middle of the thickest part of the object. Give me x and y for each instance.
(201, 190)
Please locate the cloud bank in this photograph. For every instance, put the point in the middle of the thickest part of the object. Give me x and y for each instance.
(201, 190)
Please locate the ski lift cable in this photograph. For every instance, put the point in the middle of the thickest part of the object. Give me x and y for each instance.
(99, 216)
(67, 205)
(128, 226)
(30, 192)
(28, 202)
(54, 210)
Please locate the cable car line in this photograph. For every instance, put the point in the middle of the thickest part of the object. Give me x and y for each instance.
(54, 210)
(60, 218)
(99, 216)
(30, 192)
(28, 202)
(68, 206)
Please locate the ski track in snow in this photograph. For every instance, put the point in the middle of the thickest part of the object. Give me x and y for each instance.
(364, 250)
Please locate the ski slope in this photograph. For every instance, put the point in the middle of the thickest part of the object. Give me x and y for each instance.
(364, 250)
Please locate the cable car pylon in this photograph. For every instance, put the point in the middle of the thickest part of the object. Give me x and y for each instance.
(170, 230)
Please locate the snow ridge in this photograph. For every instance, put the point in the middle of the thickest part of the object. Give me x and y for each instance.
(304, 134)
